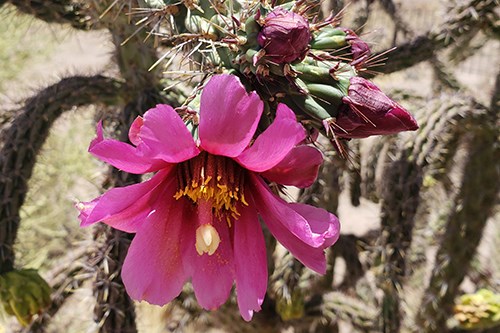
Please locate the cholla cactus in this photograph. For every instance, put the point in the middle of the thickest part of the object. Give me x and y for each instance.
(299, 72)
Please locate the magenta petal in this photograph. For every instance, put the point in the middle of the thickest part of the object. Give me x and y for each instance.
(135, 130)
(228, 117)
(250, 263)
(153, 269)
(274, 143)
(126, 208)
(299, 168)
(312, 257)
(285, 213)
(85, 208)
(166, 136)
(321, 222)
(213, 275)
(122, 155)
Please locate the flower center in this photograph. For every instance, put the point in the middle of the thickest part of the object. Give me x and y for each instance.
(217, 180)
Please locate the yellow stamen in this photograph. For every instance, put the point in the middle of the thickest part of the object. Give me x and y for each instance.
(217, 180)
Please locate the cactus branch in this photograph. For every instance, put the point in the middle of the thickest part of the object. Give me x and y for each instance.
(444, 79)
(335, 305)
(401, 195)
(392, 10)
(114, 311)
(400, 200)
(70, 12)
(495, 97)
(465, 22)
(479, 189)
(24, 138)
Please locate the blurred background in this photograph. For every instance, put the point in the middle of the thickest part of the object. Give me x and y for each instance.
(419, 213)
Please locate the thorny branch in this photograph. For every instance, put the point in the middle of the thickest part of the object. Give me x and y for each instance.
(24, 138)
(465, 220)
(74, 13)
(465, 22)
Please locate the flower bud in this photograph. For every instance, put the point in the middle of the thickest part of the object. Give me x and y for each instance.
(367, 111)
(359, 48)
(284, 36)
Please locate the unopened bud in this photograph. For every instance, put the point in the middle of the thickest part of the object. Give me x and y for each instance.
(284, 36)
(359, 49)
(368, 111)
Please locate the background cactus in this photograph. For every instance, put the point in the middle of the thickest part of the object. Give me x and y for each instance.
(406, 174)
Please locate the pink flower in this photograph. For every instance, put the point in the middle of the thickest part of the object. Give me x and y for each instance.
(285, 36)
(197, 217)
(367, 111)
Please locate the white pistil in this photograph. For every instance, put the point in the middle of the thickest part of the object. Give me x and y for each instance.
(207, 239)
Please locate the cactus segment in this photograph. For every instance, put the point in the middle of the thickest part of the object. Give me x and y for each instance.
(329, 38)
(329, 93)
(310, 106)
(314, 74)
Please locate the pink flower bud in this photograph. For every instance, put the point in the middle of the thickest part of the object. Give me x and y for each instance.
(359, 48)
(368, 111)
(285, 36)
